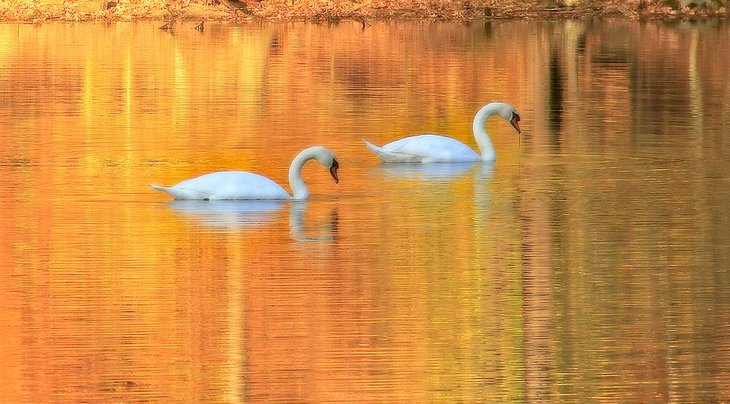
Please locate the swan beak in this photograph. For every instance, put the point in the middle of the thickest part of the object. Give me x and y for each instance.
(516, 124)
(333, 171)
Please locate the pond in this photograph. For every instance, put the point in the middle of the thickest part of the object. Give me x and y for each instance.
(590, 262)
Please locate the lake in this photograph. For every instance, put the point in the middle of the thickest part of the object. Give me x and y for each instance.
(589, 263)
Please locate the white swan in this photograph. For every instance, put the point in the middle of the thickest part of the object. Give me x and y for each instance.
(430, 148)
(223, 185)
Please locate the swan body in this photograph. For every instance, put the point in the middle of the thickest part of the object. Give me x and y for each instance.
(227, 185)
(426, 148)
(431, 148)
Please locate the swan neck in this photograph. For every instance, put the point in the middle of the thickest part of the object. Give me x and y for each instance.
(486, 149)
(298, 188)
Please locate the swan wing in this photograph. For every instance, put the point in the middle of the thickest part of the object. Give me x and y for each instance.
(224, 185)
(179, 193)
(427, 148)
(388, 156)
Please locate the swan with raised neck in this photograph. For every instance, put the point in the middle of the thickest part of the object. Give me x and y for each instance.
(431, 148)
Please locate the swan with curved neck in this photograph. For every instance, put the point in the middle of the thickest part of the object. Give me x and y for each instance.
(430, 148)
(223, 185)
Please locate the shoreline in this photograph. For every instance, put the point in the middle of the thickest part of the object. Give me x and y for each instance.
(31, 11)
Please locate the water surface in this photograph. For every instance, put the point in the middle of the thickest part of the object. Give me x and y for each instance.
(589, 263)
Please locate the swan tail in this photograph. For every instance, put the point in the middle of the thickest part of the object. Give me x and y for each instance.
(375, 149)
(391, 156)
(167, 190)
(179, 193)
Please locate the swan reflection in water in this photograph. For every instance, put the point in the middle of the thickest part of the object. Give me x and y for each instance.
(437, 176)
(303, 233)
(433, 172)
(238, 215)
(229, 213)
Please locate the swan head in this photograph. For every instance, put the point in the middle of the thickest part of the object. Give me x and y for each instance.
(327, 159)
(509, 114)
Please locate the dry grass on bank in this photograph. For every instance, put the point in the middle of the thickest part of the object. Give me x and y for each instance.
(335, 10)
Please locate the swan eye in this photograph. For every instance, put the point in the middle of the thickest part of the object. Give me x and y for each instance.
(335, 164)
(515, 116)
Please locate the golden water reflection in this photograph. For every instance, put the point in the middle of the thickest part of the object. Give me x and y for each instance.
(588, 264)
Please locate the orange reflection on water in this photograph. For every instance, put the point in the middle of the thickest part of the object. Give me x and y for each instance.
(542, 277)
